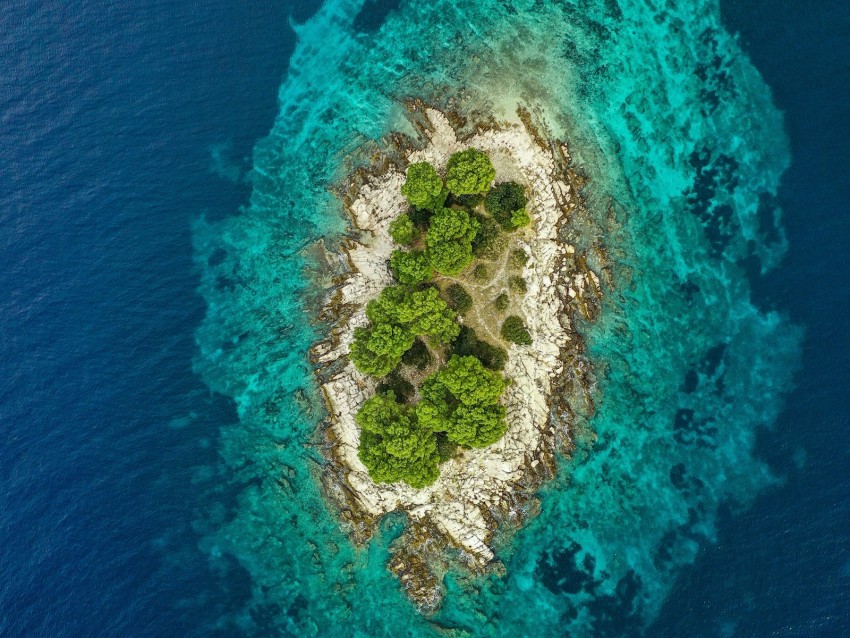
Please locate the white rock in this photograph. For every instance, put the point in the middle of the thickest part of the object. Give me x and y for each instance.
(456, 503)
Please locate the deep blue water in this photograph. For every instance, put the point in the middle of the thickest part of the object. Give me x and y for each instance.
(783, 568)
(111, 115)
(108, 111)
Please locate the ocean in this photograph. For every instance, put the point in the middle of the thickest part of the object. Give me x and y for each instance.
(158, 411)
(112, 114)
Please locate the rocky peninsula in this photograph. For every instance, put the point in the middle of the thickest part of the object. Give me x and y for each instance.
(479, 489)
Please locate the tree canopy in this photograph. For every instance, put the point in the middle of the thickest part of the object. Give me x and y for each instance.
(462, 401)
(420, 311)
(411, 267)
(393, 446)
(402, 230)
(377, 350)
(423, 187)
(449, 240)
(504, 201)
(469, 172)
(487, 238)
(478, 426)
(411, 322)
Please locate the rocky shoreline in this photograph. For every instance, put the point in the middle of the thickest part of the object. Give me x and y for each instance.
(481, 489)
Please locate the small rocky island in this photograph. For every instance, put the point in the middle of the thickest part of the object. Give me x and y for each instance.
(452, 367)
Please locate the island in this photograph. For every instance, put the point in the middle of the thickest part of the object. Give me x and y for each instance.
(452, 367)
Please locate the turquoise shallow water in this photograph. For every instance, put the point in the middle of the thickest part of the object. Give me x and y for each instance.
(685, 150)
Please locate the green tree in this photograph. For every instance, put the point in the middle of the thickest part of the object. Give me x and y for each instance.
(478, 426)
(459, 300)
(449, 240)
(423, 186)
(514, 330)
(377, 350)
(411, 267)
(461, 400)
(402, 230)
(503, 201)
(469, 172)
(486, 241)
(382, 414)
(450, 225)
(450, 258)
(469, 382)
(421, 312)
(393, 446)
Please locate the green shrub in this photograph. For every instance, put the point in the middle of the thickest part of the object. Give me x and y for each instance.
(503, 201)
(418, 356)
(469, 172)
(449, 240)
(393, 445)
(501, 302)
(514, 330)
(520, 218)
(467, 344)
(459, 300)
(518, 259)
(487, 238)
(377, 350)
(423, 185)
(411, 267)
(402, 230)
(462, 401)
(517, 284)
(480, 272)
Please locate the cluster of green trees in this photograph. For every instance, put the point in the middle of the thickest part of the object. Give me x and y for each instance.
(462, 401)
(399, 315)
(450, 231)
(469, 172)
(393, 445)
(459, 403)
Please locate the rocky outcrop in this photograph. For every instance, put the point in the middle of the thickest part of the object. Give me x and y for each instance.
(480, 488)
